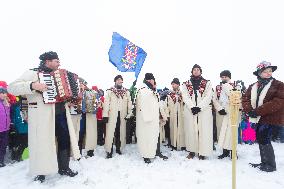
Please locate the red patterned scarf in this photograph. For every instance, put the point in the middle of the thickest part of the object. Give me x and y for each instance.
(119, 92)
(176, 96)
(219, 89)
(201, 89)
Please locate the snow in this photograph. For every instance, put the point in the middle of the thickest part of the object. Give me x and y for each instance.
(128, 171)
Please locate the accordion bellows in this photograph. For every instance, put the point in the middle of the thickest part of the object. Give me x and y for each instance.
(62, 86)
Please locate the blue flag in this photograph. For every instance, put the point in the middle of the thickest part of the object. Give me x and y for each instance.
(126, 56)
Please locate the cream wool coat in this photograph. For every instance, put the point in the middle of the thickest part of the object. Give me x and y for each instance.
(41, 136)
(163, 119)
(91, 130)
(198, 128)
(76, 118)
(224, 121)
(147, 121)
(176, 123)
(111, 106)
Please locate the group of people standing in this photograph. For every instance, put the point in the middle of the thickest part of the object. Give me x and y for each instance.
(55, 133)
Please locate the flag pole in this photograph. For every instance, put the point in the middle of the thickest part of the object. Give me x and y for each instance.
(235, 101)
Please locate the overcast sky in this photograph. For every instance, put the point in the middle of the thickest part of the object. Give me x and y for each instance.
(176, 34)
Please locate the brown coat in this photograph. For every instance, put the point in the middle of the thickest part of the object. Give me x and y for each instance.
(272, 109)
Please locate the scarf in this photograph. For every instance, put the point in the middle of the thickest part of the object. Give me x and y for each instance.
(176, 96)
(261, 83)
(195, 80)
(119, 92)
(149, 85)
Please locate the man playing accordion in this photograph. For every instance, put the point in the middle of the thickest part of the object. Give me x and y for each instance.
(51, 133)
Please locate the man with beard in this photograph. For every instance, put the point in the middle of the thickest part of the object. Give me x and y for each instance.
(117, 107)
(198, 120)
(147, 118)
(48, 124)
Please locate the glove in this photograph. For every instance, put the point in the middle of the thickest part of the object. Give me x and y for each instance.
(222, 112)
(134, 82)
(195, 110)
(252, 114)
(105, 119)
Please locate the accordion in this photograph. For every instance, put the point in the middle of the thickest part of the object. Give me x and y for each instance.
(62, 86)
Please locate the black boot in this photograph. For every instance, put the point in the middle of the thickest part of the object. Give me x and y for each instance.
(201, 157)
(226, 153)
(269, 164)
(109, 154)
(90, 153)
(190, 155)
(158, 151)
(117, 147)
(118, 151)
(261, 152)
(40, 178)
(160, 155)
(2, 164)
(63, 158)
(147, 160)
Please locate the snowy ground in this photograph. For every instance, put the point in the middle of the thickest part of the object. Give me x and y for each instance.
(129, 171)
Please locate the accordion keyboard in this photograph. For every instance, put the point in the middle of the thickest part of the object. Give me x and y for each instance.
(50, 94)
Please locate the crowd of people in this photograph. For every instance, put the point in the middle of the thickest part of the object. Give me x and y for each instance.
(193, 116)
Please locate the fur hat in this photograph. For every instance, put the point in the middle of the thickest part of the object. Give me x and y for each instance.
(48, 56)
(262, 66)
(117, 77)
(149, 76)
(196, 66)
(176, 81)
(226, 73)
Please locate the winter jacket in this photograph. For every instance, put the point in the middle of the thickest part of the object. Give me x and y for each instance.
(20, 125)
(272, 108)
(4, 117)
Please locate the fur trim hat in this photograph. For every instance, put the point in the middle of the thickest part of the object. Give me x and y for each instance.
(118, 77)
(149, 76)
(48, 56)
(262, 66)
(176, 81)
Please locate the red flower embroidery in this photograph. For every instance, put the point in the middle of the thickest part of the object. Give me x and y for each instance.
(201, 89)
(174, 95)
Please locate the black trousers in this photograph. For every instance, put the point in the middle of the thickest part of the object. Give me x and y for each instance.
(117, 133)
(101, 129)
(168, 133)
(130, 130)
(82, 132)
(62, 132)
(264, 133)
(21, 143)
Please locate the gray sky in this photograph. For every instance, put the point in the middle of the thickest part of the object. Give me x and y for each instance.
(176, 34)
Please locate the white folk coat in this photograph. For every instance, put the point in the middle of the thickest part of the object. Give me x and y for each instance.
(163, 119)
(198, 128)
(147, 121)
(176, 122)
(41, 135)
(224, 121)
(111, 106)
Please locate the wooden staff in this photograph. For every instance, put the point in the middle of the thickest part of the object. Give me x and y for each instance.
(235, 101)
